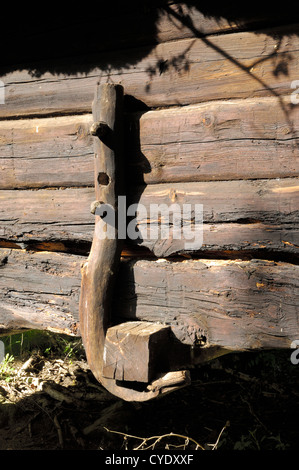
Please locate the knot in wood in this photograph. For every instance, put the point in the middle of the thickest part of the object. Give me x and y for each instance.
(99, 129)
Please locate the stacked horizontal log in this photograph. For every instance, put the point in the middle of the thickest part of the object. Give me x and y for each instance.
(231, 304)
(237, 215)
(195, 70)
(211, 119)
(239, 139)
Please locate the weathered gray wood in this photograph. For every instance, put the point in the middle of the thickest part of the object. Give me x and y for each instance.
(171, 381)
(237, 215)
(241, 125)
(263, 202)
(229, 304)
(236, 139)
(224, 240)
(99, 270)
(39, 291)
(233, 240)
(63, 214)
(173, 73)
(239, 139)
(233, 304)
(46, 152)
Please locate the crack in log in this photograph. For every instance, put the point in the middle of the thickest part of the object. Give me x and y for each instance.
(81, 248)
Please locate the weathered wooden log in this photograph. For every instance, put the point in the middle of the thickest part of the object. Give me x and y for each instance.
(236, 139)
(39, 290)
(232, 304)
(241, 125)
(170, 381)
(239, 139)
(133, 22)
(46, 152)
(248, 65)
(237, 215)
(254, 202)
(226, 304)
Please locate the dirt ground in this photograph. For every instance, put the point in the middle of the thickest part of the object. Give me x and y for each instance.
(248, 401)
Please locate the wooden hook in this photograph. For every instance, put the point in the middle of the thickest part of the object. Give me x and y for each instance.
(100, 269)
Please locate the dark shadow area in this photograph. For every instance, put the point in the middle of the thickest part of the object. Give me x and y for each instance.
(56, 404)
(246, 16)
(137, 163)
(116, 36)
(71, 41)
(68, 41)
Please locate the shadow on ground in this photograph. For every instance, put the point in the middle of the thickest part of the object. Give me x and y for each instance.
(240, 402)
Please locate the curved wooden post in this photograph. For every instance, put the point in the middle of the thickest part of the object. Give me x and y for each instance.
(98, 273)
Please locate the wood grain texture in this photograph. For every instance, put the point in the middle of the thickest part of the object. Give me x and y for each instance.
(221, 140)
(238, 139)
(232, 304)
(46, 152)
(249, 64)
(237, 215)
(221, 131)
(39, 291)
(121, 25)
(134, 351)
(101, 267)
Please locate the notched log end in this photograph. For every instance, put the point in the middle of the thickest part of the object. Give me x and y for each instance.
(134, 351)
(136, 355)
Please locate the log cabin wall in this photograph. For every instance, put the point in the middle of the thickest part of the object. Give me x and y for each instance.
(211, 118)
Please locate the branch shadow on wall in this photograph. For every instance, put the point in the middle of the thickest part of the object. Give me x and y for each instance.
(118, 34)
(114, 38)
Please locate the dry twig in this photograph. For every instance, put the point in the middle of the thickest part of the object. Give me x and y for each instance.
(156, 440)
(214, 446)
(59, 431)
